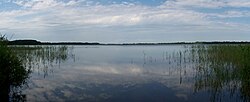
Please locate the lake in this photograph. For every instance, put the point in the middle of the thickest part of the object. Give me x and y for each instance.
(172, 73)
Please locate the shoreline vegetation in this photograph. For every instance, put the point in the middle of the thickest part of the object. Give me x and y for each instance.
(13, 75)
(35, 42)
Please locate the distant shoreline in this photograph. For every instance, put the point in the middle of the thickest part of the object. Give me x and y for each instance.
(35, 42)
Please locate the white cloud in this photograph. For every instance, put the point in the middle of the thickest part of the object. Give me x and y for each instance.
(52, 15)
(208, 3)
(51, 11)
(239, 3)
(232, 14)
(194, 3)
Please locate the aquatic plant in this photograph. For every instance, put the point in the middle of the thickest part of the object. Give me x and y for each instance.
(43, 59)
(13, 75)
(223, 67)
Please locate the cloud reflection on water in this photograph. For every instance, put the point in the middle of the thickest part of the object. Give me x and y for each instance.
(124, 76)
(133, 73)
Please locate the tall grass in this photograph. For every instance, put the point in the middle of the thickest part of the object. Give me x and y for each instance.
(13, 75)
(223, 67)
(42, 59)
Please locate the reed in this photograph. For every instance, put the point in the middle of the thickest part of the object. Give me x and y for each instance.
(42, 59)
(223, 67)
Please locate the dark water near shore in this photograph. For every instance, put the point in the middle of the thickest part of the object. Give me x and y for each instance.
(172, 73)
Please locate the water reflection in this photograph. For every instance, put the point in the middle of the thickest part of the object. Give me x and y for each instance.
(138, 73)
(42, 59)
(17, 63)
(110, 73)
(223, 69)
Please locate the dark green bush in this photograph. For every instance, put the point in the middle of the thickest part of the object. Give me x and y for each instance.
(12, 73)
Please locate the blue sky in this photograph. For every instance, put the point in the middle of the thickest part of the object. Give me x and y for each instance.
(118, 21)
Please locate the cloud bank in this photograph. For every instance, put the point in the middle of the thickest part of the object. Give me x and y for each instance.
(126, 20)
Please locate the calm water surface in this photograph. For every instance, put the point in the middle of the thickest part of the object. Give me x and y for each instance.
(172, 73)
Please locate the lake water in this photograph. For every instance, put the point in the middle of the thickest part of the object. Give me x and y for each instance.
(169, 73)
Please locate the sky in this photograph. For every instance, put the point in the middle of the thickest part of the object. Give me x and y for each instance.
(119, 21)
